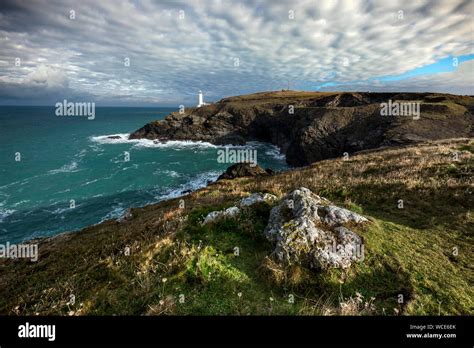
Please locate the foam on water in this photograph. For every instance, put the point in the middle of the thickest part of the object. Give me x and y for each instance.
(123, 138)
(20, 202)
(116, 213)
(35, 198)
(199, 182)
(4, 213)
(274, 151)
(67, 168)
(59, 211)
(170, 173)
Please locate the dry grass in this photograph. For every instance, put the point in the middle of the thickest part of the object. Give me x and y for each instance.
(409, 250)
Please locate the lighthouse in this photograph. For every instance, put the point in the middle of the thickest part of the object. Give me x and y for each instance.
(201, 100)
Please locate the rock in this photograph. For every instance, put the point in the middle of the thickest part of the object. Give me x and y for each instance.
(231, 212)
(239, 170)
(308, 230)
(114, 137)
(257, 198)
(231, 140)
(270, 171)
(323, 125)
(333, 215)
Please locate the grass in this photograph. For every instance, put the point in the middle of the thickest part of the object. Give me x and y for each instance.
(417, 260)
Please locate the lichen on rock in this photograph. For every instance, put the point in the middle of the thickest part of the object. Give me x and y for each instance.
(231, 212)
(309, 230)
(258, 197)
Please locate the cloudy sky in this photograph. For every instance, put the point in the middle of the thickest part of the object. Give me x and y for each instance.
(162, 52)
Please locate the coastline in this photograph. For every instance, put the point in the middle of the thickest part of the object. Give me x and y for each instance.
(313, 126)
(165, 239)
(174, 247)
(174, 193)
(318, 126)
(188, 192)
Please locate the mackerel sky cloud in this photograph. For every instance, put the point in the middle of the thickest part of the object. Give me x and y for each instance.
(225, 48)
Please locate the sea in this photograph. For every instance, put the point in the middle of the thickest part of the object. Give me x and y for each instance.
(63, 173)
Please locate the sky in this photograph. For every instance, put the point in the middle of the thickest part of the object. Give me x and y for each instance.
(161, 53)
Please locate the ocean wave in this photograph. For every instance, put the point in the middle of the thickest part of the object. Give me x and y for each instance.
(80, 155)
(274, 151)
(63, 191)
(99, 179)
(122, 138)
(199, 182)
(115, 213)
(60, 211)
(269, 149)
(175, 144)
(4, 213)
(90, 182)
(134, 166)
(166, 172)
(21, 182)
(20, 202)
(67, 168)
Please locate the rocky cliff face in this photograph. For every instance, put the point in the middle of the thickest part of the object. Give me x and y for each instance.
(311, 126)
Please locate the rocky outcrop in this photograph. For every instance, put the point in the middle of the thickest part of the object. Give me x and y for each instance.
(233, 212)
(240, 170)
(311, 126)
(307, 229)
(255, 198)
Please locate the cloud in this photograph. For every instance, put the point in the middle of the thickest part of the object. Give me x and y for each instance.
(460, 81)
(223, 47)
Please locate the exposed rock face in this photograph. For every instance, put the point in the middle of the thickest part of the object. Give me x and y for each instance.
(334, 216)
(231, 212)
(255, 198)
(311, 126)
(240, 170)
(308, 230)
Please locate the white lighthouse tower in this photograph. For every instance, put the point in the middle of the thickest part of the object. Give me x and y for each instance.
(201, 100)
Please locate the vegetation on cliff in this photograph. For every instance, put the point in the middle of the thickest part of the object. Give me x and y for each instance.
(162, 260)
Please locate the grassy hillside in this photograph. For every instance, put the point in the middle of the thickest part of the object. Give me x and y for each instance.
(423, 252)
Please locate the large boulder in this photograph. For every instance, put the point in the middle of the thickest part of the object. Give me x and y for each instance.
(239, 170)
(307, 229)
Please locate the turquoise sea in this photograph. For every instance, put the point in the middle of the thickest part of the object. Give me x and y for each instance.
(48, 163)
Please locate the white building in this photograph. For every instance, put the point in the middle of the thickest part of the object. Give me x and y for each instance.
(201, 100)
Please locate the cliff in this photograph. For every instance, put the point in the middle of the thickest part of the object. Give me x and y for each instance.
(311, 126)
